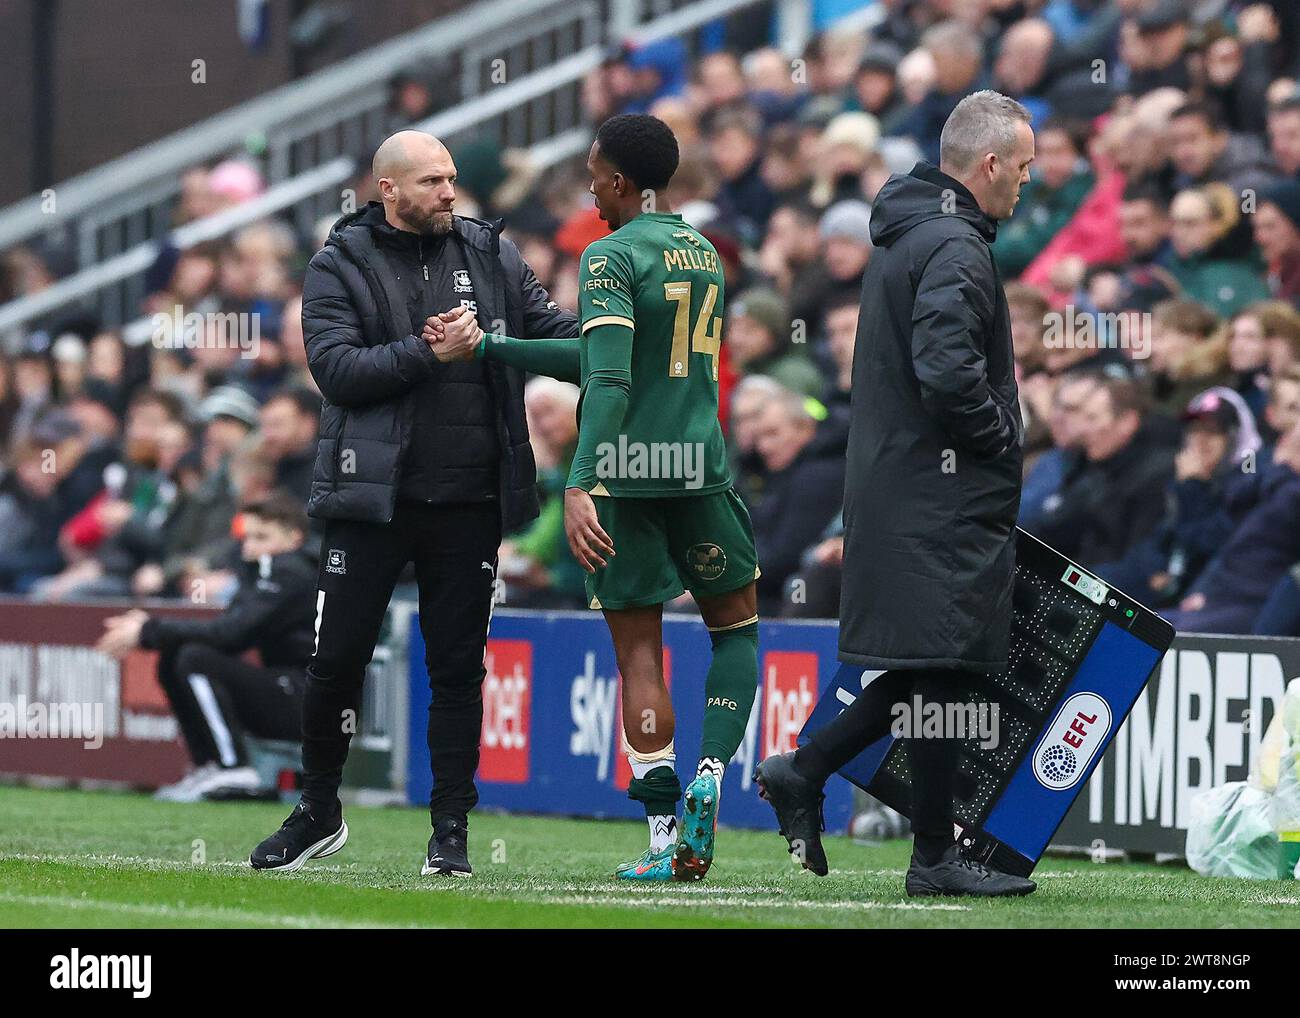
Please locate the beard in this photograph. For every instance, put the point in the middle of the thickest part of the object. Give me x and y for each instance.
(437, 223)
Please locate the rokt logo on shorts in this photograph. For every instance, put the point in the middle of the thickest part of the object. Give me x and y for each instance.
(707, 561)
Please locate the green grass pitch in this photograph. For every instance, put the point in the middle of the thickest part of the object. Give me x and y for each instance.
(83, 859)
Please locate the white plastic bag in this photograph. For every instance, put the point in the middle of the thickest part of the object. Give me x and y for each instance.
(1231, 833)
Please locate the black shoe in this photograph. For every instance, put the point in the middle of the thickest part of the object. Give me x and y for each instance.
(798, 805)
(304, 835)
(448, 851)
(956, 875)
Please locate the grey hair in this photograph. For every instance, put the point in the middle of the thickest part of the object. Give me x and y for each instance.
(983, 122)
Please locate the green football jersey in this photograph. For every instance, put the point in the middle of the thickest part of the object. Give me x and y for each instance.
(660, 277)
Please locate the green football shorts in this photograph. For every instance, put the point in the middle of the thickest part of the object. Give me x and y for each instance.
(700, 543)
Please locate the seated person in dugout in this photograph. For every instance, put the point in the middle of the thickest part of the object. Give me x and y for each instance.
(219, 698)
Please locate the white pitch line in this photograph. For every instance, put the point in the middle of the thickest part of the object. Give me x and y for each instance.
(138, 861)
(849, 906)
(240, 916)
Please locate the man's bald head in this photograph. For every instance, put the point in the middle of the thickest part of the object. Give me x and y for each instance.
(416, 178)
(399, 152)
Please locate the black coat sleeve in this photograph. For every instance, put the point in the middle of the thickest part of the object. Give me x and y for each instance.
(348, 372)
(543, 318)
(234, 630)
(951, 318)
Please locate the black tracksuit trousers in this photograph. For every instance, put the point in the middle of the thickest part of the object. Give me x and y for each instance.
(454, 548)
(933, 761)
(218, 698)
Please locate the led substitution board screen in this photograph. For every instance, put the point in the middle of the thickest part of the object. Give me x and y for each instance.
(1081, 652)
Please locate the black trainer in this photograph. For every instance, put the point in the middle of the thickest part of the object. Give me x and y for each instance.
(304, 835)
(956, 875)
(798, 805)
(448, 851)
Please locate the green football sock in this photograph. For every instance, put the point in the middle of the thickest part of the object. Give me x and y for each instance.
(729, 690)
(658, 790)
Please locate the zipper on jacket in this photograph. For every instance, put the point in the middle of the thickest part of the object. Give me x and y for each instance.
(423, 264)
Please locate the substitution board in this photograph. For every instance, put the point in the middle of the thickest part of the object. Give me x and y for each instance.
(1080, 654)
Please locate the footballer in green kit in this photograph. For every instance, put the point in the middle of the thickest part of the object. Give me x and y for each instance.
(650, 510)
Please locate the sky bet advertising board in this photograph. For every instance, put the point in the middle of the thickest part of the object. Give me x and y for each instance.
(551, 708)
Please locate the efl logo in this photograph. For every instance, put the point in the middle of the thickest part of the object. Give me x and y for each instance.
(506, 688)
(1074, 737)
(789, 693)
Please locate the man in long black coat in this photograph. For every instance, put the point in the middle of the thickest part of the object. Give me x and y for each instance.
(933, 483)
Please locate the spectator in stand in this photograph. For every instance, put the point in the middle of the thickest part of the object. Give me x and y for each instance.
(1203, 151)
(1277, 234)
(1153, 46)
(33, 386)
(770, 85)
(287, 429)
(845, 232)
(136, 498)
(841, 340)
(1284, 135)
(29, 545)
(876, 89)
(751, 395)
(1256, 335)
(1029, 313)
(1115, 497)
(791, 259)
(1045, 479)
(1283, 410)
(1130, 147)
(735, 146)
(1263, 547)
(1060, 181)
(719, 82)
(803, 492)
(760, 339)
(786, 167)
(958, 56)
(1238, 67)
(1144, 224)
(129, 560)
(1197, 237)
(658, 70)
(1189, 354)
(535, 563)
(843, 153)
(297, 375)
(1219, 439)
(1020, 69)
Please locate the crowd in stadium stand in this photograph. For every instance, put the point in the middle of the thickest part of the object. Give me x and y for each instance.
(1152, 272)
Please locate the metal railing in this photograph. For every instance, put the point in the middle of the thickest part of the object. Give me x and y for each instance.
(316, 129)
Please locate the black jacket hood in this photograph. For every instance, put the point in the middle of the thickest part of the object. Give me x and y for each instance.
(910, 199)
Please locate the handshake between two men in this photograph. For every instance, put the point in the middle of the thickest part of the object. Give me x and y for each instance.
(453, 335)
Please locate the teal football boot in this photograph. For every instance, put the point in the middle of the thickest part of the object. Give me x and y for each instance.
(698, 829)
